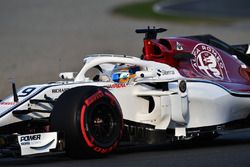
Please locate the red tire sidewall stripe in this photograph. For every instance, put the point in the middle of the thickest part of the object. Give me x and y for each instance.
(99, 94)
(88, 141)
(112, 98)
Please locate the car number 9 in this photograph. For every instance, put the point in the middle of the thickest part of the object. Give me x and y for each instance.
(26, 92)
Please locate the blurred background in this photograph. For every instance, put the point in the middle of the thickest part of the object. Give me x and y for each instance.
(40, 38)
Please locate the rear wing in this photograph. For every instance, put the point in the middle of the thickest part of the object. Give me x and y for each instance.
(150, 33)
(244, 48)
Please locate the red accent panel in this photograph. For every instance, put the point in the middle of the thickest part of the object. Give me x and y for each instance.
(149, 49)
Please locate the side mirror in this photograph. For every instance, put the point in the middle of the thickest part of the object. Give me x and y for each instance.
(145, 74)
(67, 75)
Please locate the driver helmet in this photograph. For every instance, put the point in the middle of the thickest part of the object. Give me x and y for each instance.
(122, 73)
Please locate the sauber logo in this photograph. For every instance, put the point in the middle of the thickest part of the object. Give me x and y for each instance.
(208, 62)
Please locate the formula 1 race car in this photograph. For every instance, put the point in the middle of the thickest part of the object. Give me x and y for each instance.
(190, 90)
(112, 99)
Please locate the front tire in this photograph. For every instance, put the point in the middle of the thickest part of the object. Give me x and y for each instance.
(91, 120)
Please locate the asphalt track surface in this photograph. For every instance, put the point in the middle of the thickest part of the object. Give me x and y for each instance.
(230, 150)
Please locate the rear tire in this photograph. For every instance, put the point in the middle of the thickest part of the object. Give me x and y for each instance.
(90, 119)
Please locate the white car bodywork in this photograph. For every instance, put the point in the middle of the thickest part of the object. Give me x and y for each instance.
(202, 104)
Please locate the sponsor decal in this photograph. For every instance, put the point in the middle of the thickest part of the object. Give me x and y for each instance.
(30, 139)
(59, 90)
(114, 86)
(94, 97)
(179, 46)
(37, 143)
(208, 62)
(164, 72)
(8, 103)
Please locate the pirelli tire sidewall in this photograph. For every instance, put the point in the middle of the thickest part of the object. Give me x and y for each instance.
(91, 119)
(101, 121)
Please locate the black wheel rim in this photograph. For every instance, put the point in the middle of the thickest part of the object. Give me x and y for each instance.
(103, 125)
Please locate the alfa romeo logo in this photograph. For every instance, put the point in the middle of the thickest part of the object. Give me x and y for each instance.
(208, 62)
